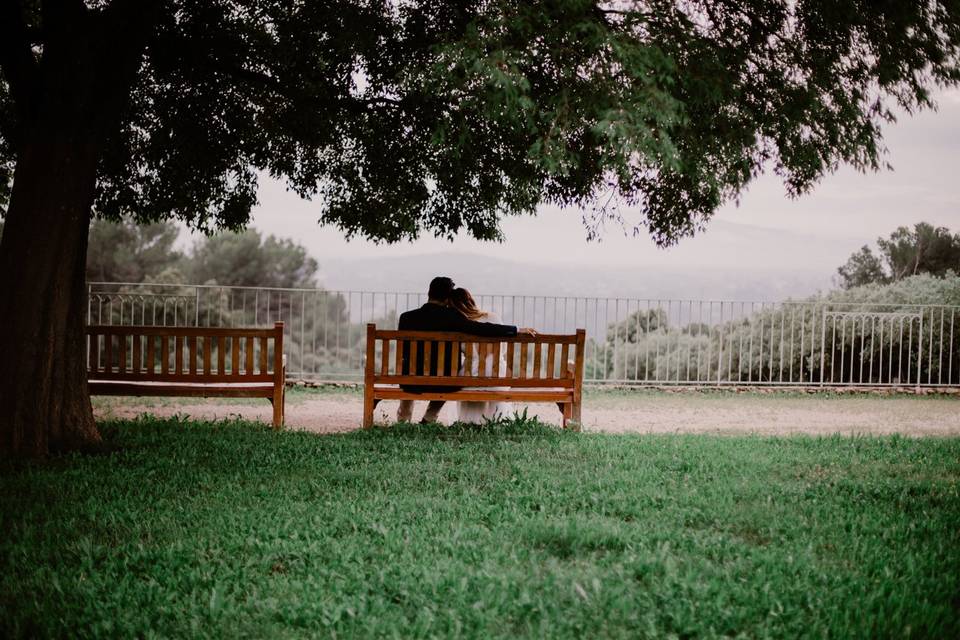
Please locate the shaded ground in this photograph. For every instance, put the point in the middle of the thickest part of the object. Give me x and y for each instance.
(331, 411)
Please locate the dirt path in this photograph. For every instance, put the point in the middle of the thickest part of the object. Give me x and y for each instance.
(647, 412)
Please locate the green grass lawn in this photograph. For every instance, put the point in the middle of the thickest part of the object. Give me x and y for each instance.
(232, 530)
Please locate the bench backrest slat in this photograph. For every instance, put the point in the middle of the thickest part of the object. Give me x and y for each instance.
(164, 354)
(422, 358)
(207, 356)
(184, 354)
(151, 354)
(235, 355)
(221, 343)
(136, 353)
(178, 355)
(442, 357)
(122, 361)
(399, 357)
(264, 350)
(192, 350)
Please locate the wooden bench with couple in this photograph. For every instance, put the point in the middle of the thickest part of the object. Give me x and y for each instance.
(451, 350)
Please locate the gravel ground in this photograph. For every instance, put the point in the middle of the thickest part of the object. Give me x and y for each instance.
(614, 412)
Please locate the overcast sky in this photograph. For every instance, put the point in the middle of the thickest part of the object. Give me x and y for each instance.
(814, 233)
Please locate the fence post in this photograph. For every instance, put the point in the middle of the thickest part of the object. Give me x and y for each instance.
(823, 342)
(720, 346)
(919, 353)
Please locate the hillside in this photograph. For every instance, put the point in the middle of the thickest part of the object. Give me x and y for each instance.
(489, 275)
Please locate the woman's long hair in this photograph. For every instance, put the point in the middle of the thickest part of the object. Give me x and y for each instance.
(462, 301)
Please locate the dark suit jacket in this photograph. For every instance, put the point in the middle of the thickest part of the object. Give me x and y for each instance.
(435, 317)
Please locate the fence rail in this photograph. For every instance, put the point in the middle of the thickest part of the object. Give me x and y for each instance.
(818, 342)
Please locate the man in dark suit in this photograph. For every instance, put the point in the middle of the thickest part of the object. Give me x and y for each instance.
(435, 315)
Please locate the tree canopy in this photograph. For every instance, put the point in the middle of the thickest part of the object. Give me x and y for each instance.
(130, 252)
(250, 260)
(403, 118)
(430, 116)
(924, 249)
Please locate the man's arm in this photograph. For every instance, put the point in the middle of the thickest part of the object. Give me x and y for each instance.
(486, 329)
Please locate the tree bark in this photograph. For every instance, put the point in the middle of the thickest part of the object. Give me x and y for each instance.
(44, 401)
(69, 102)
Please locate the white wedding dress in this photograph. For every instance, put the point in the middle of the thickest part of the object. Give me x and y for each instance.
(480, 412)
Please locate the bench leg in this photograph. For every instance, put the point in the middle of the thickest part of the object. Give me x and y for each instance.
(368, 404)
(279, 395)
(573, 422)
(566, 407)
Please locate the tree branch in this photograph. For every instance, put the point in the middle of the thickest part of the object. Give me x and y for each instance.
(271, 83)
(203, 59)
(131, 23)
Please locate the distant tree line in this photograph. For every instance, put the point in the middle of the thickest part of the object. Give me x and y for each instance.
(906, 252)
(913, 266)
(131, 253)
(765, 345)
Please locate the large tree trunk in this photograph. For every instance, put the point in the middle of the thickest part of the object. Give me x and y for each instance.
(44, 402)
(68, 105)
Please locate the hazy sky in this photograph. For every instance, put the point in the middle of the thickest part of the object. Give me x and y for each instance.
(814, 233)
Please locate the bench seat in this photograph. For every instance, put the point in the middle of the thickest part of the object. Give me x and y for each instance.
(202, 390)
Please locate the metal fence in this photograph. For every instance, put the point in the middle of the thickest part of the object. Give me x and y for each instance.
(818, 342)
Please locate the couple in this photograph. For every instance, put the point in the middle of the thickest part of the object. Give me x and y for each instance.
(451, 309)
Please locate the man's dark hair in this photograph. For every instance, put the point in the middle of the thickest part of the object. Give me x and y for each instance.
(440, 288)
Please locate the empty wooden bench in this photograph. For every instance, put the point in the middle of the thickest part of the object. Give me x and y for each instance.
(203, 362)
(542, 368)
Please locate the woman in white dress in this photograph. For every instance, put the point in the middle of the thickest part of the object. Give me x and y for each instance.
(480, 412)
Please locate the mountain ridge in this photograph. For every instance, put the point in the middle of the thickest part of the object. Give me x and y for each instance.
(500, 276)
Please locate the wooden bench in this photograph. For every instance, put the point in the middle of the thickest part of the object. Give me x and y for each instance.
(535, 371)
(188, 361)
